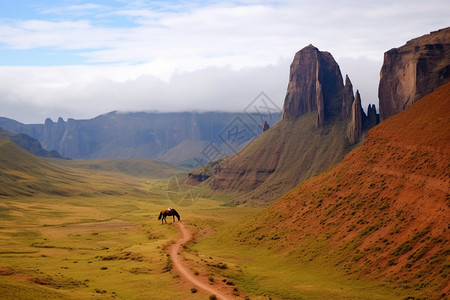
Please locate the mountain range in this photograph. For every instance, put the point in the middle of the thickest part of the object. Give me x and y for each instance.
(171, 137)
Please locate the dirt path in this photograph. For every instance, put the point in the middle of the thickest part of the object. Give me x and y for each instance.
(180, 265)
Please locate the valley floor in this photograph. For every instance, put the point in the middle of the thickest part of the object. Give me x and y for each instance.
(113, 246)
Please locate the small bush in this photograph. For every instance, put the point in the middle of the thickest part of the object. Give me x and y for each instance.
(212, 297)
(402, 248)
(193, 290)
(392, 262)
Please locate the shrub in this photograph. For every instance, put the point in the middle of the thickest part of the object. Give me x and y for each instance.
(193, 290)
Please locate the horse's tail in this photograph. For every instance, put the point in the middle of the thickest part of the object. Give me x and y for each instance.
(160, 216)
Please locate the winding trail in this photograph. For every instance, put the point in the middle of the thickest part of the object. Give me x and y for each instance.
(177, 261)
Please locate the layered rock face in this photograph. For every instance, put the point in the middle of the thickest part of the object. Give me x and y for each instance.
(315, 84)
(413, 71)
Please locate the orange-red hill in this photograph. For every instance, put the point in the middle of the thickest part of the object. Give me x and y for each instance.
(383, 212)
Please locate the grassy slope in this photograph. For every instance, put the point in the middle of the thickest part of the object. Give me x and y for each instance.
(135, 167)
(22, 173)
(285, 155)
(380, 215)
(88, 247)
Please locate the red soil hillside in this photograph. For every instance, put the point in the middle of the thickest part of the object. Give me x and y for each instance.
(382, 213)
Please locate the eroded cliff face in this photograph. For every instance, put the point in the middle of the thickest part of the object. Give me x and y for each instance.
(413, 71)
(315, 84)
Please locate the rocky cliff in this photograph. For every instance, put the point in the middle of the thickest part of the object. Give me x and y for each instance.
(413, 71)
(315, 84)
(356, 125)
(321, 121)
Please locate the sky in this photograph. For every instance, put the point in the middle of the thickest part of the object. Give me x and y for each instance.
(79, 59)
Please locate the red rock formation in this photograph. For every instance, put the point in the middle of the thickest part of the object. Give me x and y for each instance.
(355, 130)
(372, 117)
(413, 71)
(347, 98)
(315, 84)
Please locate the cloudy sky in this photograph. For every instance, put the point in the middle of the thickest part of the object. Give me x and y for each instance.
(79, 59)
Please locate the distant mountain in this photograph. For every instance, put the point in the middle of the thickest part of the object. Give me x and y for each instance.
(171, 137)
(322, 120)
(382, 213)
(413, 71)
(30, 144)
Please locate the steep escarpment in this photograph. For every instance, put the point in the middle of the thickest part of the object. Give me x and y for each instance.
(315, 84)
(321, 121)
(413, 71)
(381, 213)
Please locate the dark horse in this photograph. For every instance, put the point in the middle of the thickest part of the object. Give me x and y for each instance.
(163, 214)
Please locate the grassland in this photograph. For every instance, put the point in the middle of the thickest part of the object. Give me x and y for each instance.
(82, 247)
(113, 246)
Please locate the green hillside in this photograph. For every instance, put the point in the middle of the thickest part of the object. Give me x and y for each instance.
(22, 173)
(134, 167)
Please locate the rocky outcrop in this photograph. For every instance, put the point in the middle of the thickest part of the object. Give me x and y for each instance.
(413, 71)
(347, 98)
(266, 126)
(355, 128)
(372, 116)
(321, 122)
(53, 133)
(315, 84)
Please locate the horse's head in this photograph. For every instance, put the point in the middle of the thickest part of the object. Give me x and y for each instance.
(176, 214)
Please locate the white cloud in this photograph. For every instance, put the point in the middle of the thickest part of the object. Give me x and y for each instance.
(87, 91)
(195, 55)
